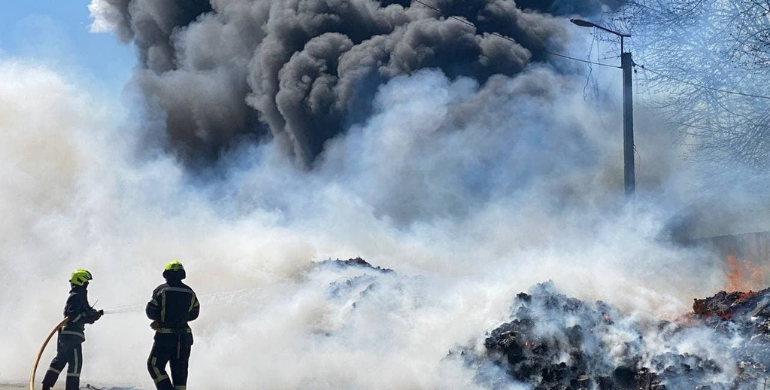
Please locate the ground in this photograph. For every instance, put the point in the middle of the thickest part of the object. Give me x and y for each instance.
(6, 386)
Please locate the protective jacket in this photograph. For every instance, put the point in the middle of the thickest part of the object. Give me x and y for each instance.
(79, 312)
(69, 348)
(173, 305)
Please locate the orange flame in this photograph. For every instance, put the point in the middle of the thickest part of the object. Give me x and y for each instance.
(734, 277)
(743, 275)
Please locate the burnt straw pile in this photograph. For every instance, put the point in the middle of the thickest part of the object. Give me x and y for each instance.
(557, 342)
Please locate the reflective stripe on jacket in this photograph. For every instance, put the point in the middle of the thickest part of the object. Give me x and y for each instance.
(173, 304)
(79, 312)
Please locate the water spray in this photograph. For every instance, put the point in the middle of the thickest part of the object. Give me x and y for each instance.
(125, 309)
(222, 297)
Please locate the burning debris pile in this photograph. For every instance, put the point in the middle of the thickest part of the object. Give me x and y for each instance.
(557, 342)
(746, 314)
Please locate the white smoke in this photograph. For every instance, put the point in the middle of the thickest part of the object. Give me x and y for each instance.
(103, 17)
(107, 16)
(470, 193)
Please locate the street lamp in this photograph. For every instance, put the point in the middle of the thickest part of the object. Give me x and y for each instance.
(626, 63)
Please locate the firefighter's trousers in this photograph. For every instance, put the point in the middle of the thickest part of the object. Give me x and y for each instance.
(174, 350)
(69, 352)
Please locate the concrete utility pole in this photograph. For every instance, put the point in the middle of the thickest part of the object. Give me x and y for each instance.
(627, 64)
(629, 172)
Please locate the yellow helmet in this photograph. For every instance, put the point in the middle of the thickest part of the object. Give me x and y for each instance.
(174, 265)
(174, 270)
(80, 277)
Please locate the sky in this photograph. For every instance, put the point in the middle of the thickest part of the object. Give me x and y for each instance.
(56, 34)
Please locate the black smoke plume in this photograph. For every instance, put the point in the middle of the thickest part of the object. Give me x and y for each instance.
(301, 71)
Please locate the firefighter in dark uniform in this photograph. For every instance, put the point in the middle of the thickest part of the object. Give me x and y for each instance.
(69, 346)
(173, 304)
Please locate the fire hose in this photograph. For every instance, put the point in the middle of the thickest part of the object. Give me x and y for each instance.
(40, 353)
(125, 309)
(118, 310)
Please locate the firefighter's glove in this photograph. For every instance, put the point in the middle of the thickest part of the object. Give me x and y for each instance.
(155, 325)
(95, 315)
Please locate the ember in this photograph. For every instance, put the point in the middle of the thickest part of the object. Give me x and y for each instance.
(725, 305)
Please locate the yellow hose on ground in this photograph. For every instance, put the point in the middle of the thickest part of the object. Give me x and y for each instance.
(40, 353)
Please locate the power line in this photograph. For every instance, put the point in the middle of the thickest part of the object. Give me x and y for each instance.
(461, 20)
(694, 84)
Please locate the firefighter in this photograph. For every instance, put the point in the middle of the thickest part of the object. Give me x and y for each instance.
(69, 346)
(173, 304)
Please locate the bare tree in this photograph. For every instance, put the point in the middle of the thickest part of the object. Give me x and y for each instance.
(709, 63)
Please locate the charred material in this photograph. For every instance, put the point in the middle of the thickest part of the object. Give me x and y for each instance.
(357, 262)
(745, 316)
(557, 342)
(726, 305)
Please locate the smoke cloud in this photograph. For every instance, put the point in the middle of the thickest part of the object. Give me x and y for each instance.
(301, 72)
(469, 164)
(572, 7)
(470, 192)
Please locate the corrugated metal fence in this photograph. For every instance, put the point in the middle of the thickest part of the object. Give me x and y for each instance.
(747, 259)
